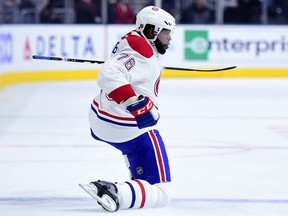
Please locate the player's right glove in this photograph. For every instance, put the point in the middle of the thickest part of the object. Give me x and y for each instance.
(144, 111)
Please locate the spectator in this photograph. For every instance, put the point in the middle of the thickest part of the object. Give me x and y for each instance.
(8, 15)
(26, 4)
(121, 12)
(85, 12)
(250, 11)
(40, 4)
(171, 7)
(277, 12)
(47, 15)
(231, 12)
(97, 11)
(198, 13)
(243, 12)
(27, 10)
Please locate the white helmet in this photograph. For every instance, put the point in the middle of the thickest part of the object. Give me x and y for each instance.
(154, 16)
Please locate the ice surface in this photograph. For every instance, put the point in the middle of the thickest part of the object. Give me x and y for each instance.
(227, 140)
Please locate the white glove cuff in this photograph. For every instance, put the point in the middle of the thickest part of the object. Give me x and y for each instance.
(129, 101)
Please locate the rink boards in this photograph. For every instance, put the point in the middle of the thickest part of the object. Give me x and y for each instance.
(257, 51)
(65, 75)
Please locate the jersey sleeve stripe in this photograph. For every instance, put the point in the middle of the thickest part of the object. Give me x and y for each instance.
(122, 93)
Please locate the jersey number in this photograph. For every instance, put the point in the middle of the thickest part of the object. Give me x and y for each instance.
(115, 47)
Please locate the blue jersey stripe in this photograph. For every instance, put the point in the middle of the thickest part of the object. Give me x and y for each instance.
(111, 121)
(133, 195)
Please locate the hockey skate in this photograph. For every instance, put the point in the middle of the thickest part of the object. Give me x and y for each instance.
(104, 192)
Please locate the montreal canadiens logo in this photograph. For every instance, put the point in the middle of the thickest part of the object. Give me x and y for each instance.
(155, 8)
(156, 86)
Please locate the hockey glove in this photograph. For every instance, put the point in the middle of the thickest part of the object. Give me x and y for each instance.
(144, 111)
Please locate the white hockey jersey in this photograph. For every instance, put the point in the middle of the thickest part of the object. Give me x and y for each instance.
(133, 69)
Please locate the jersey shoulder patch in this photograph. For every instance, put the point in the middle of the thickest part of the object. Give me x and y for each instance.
(139, 44)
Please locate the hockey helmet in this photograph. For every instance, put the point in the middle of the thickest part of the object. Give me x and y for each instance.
(154, 16)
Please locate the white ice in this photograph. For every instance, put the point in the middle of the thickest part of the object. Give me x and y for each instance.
(227, 140)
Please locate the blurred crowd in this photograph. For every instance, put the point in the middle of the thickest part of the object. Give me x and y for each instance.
(123, 11)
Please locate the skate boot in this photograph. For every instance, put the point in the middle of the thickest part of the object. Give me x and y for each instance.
(104, 192)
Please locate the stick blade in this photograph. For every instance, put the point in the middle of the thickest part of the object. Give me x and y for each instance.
(201, 70)
(53, 58)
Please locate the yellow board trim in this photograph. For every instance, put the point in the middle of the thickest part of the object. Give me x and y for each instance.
(45, 76)
(65, 75)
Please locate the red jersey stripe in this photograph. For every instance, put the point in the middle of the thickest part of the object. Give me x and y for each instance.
(143, 193)
(112, 116)
(122, 93)
(158, 156)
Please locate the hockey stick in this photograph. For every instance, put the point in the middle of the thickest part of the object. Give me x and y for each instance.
(200, 70)
(53, 58)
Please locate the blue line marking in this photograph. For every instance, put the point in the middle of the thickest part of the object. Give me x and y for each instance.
(175, 200)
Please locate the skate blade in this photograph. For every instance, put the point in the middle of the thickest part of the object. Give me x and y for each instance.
(105, 201)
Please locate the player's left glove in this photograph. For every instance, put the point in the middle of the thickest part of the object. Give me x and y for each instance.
(144, 111)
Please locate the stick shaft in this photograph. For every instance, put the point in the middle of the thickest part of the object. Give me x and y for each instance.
(83, 61)
(39, 57)
(53, 58)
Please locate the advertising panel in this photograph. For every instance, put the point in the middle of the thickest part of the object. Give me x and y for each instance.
(19, 42)
(197, 46)
(6, 49)
(220, 46)
(244, 46)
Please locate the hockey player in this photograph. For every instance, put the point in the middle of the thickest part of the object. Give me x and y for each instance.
(125, 114)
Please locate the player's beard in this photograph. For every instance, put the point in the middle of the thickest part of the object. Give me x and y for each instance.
(161, 47)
